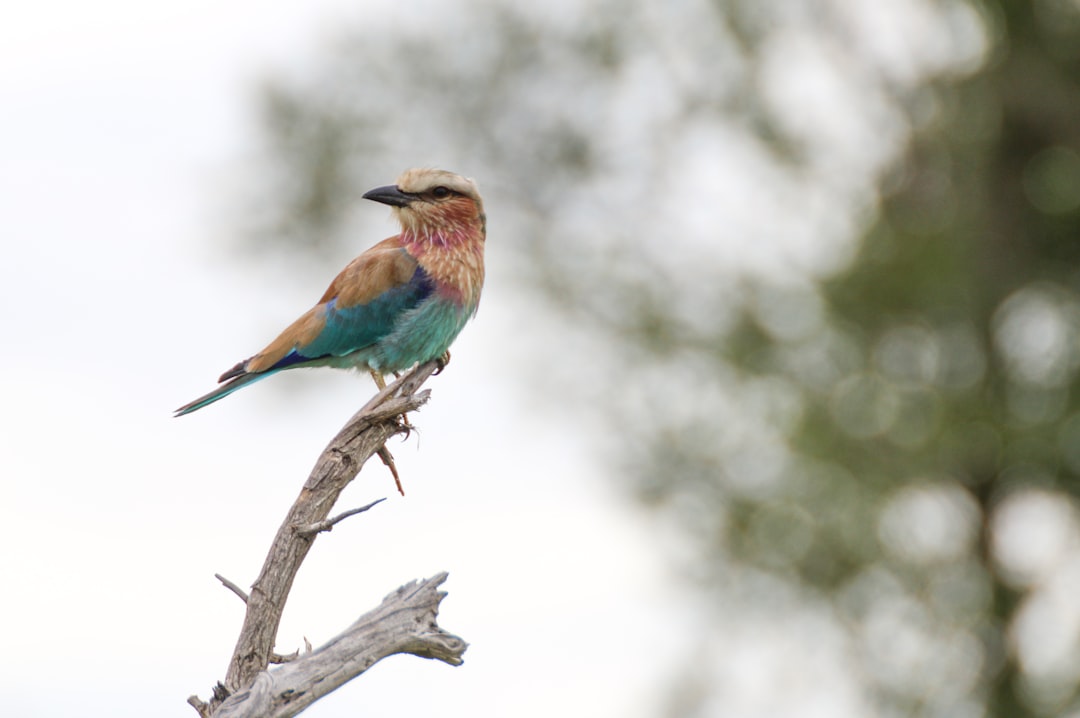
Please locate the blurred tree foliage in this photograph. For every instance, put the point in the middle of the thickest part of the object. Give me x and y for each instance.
(831, 252)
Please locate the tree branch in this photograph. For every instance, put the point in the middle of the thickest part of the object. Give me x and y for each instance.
(328, 524)
(232, 587)
(405, 622)
(361, 437)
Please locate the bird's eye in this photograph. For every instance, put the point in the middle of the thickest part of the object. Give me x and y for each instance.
(440, 193)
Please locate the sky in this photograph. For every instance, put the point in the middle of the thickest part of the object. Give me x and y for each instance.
(125, 125)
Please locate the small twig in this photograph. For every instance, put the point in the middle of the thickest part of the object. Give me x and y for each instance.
(328, 524)
(388, 459)
(232, 587)
(279, 659)
(201, 706)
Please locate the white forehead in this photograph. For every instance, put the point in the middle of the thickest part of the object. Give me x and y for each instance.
(422, 180)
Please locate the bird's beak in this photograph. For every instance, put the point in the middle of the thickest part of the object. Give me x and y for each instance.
(391, 195)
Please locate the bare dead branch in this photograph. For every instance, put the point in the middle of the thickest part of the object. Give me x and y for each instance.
(199, 705)
(205, 709)
(405, 622)
(232, 587)
(361, 437)
(328, 524)
(277, 659)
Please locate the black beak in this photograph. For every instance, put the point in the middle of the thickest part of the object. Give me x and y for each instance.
(391, 195)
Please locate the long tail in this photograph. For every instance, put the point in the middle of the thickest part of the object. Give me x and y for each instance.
(238, 382)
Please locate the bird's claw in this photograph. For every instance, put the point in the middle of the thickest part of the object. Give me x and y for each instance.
(441, 362)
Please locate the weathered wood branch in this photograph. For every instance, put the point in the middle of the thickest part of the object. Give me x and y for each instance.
(405, 622)
(364, 435)
(328, 524)
(241, 593)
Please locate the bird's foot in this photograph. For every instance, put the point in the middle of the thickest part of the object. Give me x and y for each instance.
(381, 383)
(442, 362)
(378, 377)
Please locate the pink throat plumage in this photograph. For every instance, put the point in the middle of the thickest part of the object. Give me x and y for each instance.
(453, 255)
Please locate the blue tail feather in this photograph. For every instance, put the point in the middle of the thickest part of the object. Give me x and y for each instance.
(221, 392)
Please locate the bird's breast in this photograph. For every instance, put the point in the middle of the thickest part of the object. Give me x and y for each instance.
(457, 270)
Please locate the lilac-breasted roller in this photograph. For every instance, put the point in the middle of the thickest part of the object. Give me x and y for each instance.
(401, 302)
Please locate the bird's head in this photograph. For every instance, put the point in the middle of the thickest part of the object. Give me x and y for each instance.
(429, 202)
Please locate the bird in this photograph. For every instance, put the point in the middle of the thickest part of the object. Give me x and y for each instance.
(402, 302)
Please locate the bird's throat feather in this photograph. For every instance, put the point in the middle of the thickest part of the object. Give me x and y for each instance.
(453, 258)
